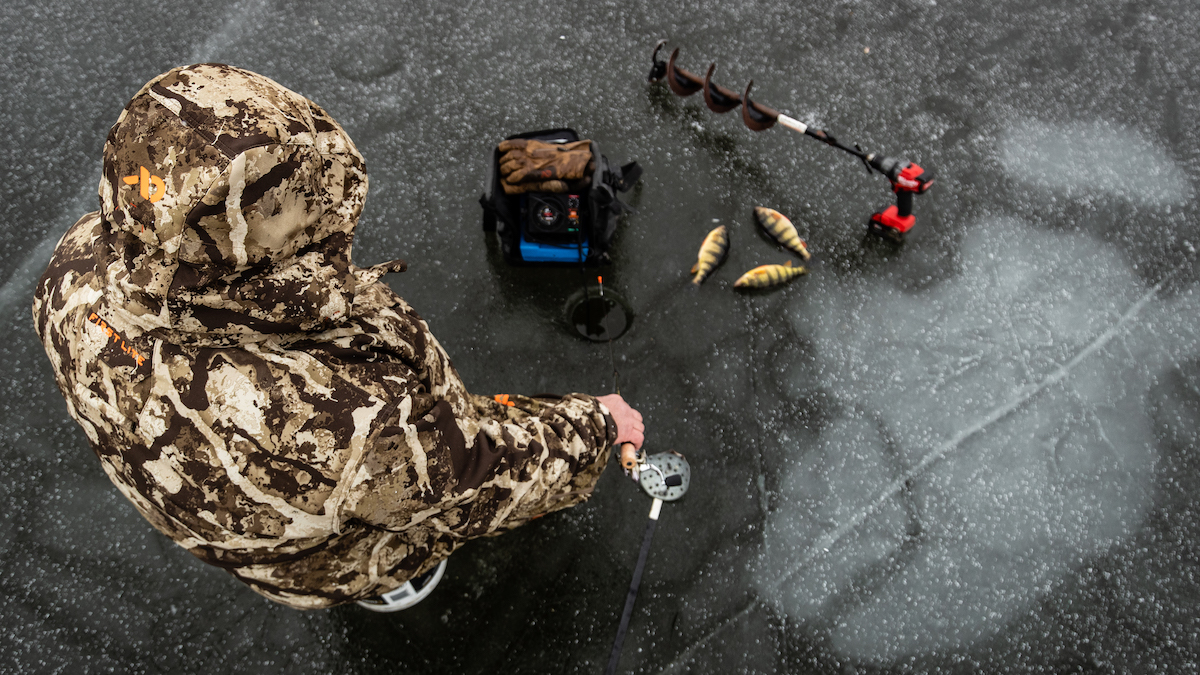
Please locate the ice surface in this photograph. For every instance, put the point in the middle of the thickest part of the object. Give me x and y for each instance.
(972, 453)
(1098, 158)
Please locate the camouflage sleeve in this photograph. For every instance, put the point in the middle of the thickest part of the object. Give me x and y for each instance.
(483, 466)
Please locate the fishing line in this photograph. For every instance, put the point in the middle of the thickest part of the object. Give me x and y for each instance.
(603, 322)
(664, 476)
(611, 358)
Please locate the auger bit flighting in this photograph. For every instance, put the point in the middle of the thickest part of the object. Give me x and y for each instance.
(682, 82)
(685, 83)
(718, 98)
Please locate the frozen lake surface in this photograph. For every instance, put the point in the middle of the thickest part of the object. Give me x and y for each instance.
(975, 452)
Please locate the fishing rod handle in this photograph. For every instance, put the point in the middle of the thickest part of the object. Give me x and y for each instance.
(630, 460)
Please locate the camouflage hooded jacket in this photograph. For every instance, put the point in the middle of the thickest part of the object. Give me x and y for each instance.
(272, 408)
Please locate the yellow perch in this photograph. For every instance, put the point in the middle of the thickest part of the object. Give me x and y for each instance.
(765, 276)
(781, 229)
(712, 253)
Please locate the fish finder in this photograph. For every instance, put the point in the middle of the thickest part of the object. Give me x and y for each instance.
(554, 227)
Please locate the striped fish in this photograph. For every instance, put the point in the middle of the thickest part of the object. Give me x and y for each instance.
(712, 253)
(765, 276)
(781, 230)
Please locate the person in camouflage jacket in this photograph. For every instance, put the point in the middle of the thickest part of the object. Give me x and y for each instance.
(271, 407)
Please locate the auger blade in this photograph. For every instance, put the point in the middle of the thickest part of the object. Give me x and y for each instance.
(718, 98)
(681, 81)
(757, 117)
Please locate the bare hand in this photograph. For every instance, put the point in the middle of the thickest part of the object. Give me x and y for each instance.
(629, 421)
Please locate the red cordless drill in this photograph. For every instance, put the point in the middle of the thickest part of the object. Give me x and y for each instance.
(907, 179)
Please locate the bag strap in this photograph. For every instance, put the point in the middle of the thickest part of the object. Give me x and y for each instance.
(617, 180)
(627, 176)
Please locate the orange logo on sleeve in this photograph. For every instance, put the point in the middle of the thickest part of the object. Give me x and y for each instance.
(145, 181)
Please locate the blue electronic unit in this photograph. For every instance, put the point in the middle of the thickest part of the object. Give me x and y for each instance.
(553, 253)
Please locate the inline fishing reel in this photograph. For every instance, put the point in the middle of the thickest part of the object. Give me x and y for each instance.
(663, 475)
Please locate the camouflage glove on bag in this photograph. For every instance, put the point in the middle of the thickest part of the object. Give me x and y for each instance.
(529, 165)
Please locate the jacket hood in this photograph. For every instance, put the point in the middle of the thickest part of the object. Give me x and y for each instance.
(231, 204)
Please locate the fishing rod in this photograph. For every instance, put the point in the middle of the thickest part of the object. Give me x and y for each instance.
(907, 179)
(665, 477)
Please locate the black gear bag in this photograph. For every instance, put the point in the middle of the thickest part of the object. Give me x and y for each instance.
(549, 228)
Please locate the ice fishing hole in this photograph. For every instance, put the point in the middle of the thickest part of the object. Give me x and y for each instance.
(598, 316)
